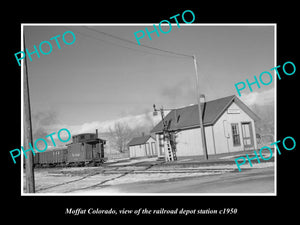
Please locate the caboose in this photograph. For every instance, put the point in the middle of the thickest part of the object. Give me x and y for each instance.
(86, 148)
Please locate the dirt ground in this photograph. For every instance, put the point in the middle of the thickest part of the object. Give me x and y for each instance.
(72, 180)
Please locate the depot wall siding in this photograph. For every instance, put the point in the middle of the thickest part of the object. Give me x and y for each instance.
(144, 150)
(189, 142)
(137, 151)
(223, 130)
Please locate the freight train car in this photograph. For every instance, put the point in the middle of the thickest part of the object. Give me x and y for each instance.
(85, 149)
(51, 157)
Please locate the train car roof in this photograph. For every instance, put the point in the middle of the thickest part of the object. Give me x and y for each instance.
(82, 134)
(51, 148)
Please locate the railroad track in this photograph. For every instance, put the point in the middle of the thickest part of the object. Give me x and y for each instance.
(109, 170)
(124, 170)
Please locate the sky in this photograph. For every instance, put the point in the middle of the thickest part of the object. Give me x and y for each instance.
(100, 78)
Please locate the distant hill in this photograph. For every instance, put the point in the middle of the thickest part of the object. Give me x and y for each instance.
(262, 103)
(265, 126)
(266, 113)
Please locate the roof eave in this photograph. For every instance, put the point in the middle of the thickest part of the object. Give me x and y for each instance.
(185, 128)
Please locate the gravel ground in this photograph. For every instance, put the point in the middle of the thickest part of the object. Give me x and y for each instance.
(77, 179)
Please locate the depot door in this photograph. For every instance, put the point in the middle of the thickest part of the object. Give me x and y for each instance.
(247, 135)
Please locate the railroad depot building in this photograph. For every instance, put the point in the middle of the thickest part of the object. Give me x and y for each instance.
(144, 146)
(228, 123)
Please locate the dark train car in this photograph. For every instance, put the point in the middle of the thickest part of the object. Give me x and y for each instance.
(36, 159)
(50, 157)
(86, 148)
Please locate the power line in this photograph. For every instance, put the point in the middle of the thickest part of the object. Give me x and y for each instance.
(99, 39)
(132, 42)
(122, 46)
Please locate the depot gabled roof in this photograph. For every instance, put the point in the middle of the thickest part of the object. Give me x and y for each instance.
(139, 140)
(188, 117)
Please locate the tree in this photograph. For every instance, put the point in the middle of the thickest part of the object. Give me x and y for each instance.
(120, 135)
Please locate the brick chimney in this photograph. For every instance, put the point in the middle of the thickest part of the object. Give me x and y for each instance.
(202, 99)
(202, 103)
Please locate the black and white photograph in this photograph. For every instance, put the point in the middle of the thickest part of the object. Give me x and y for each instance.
(144, 112)
(132, 111)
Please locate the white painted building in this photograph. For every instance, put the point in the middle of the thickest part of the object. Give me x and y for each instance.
(228, 123)
(144, 146)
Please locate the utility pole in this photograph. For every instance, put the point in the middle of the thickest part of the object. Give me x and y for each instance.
(30, 186)
(200, 112)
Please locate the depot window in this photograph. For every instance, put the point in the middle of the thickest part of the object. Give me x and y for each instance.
(235, 134)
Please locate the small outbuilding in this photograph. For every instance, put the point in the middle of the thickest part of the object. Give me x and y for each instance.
(144, 146)
(229, 126)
